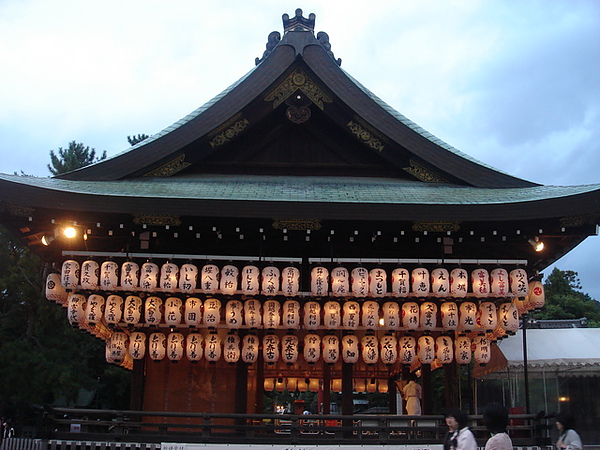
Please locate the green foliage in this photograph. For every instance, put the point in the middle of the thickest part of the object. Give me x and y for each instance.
(135, 139)
(74, 157)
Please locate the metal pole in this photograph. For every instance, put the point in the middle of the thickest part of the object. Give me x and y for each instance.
(525, 370)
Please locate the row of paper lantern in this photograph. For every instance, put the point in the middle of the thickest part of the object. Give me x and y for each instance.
(270, 281)
(292, 384)
(330, 348)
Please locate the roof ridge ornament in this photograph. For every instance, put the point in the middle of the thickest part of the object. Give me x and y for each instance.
(299, 22)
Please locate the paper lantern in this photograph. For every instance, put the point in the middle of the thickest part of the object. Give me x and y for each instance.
(279, 384)
(536, 298)
(137, 345)
(487, 316)
(90, 275)
(480, 281)
(94, 309)
(336, 385)
(229, 280)
(130, 276)
(459, 283)
(312, 315)
(157, 346)
(193, 347)
(520, 304)
(153, 310)
(169, 274)
(271, 314)
(291, 384)
(359, 279)
(428, 315)
(250, 345)
(290, 281)
(370, 315)
(173, 311)
(314, 384)
(400, 282)
(302, 384)
(350, 351)
(271, 348)
(212, 312)
(107, 354)
(132, 310)
(508, 317)
(76, 309)
(499, 282)
(388, 349)
(69, 274)
(193, 312)
(319, 281)
(175, 346)
(369, 349)
(188, 278)
(109, 275)
(270, 281)
(407, 349)
(209, 279)
(291, 314)
(312, 348)
(420, 281)
(252, 314)
(378, 282)
(118, 346)
(426, 349)
(519, 285)
(440, 282)
(467, 316)
(462, 348)
(289, 349)
(55, 291)
(372, 386)
(360, 385)
(410, 315)
(149, 277)
(212, 347)
(391, 315)
(444, 351)
(382, 386)
(483, 350)
(449, 315)
(250, 280)
(332, 315)
(113, 310)
(231, 353)
(331, 348)
(340, 282)
(351, 316)
(269, 384)
(233, 314)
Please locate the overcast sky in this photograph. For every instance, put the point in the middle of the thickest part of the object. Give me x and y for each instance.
(513, 84)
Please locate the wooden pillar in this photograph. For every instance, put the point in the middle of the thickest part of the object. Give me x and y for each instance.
(347, 395)
(427, 389)
(451, 385)
(241, 388)
(392, 395)
(136, 399)
(326, 389)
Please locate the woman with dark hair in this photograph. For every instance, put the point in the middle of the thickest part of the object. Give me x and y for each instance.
(569, 439)
(495, 418)
(459, 436)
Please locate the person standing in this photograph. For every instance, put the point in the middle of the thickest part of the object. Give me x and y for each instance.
(459, 436)
(568, 439)
(413, 392)
(495, 418)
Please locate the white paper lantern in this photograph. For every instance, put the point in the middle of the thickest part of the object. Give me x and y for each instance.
(400, 282)
(440, 282)
(487, 316)
(336, 385)
(332, 315)
(391, 315)
(388, 349)
(250, 280)
(360, 385)
(271, 314)
(55, 291)
(351, 316)
(312, 315)
(459, 283)
(149, 277)
(212, 312)
(169, 274)
(340, 282)
(289, 349)
(193, 347)
(231, 353)
(175, 346)
(291, 314)
(132, 310)
(382, 386)
(173, 311)
(94, 309)
(234, 312)
(291, 384)
(369, 349)
(137, 345)
(212, 347)
(372, 386)
(520, 304)
(76, 309)
(428, 315)
(193, 312)
(467, 316)
(290, 281)
(250, 346)
(188, 278)
(462, 347)
(107, 354)
(109, 275)
(359, 279)
(350, 352)
(378, 283)
(130, 276)
(153, 307)
(118, 346)
(319, 281)
(508, 317)
(209, 279)
(536, 298)
(113, 310)
(157, 346)
(280, 384)
(229, 280)
(90, 275)
(331, 348)
(519, 285)
(269, 384)
(271, 280)
(420, 281)
(252, 313)
(312, 348)
(69, 274)
(410, 315)
(480, 281)
(407, 349)
(271, 348)
(449, 315)
(499, 282)
(314, 385)
(444, 351)
(370, 315)
(426, 349)
(483, 350)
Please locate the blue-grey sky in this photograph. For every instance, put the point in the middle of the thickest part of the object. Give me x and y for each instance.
(513, 84)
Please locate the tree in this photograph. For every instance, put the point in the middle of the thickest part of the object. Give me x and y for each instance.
(135, 139)
(75, 156)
